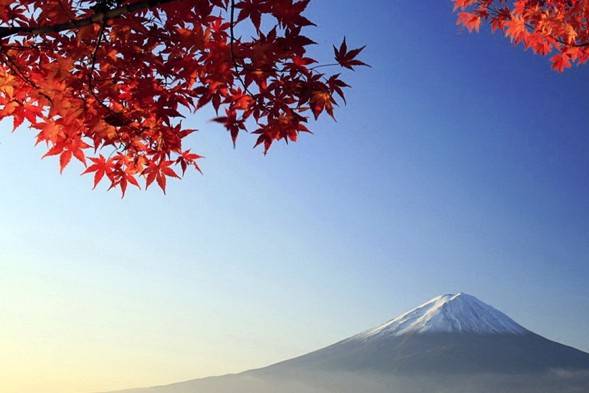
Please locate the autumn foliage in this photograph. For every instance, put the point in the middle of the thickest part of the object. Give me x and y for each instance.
(559, 28)
(106, 82)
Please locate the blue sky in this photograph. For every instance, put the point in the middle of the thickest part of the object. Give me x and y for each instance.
(459, 164)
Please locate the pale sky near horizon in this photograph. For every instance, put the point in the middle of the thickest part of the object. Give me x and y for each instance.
(459, 164)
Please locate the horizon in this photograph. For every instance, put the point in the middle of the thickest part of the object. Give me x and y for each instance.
(459, 163)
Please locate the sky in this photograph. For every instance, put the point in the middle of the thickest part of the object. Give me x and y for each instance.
(459, 164)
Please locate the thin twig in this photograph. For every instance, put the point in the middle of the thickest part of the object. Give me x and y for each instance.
(232, 45)
(93, 63)
(325, 65)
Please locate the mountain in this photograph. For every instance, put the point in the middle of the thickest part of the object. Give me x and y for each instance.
(449, 334)
(451, 344)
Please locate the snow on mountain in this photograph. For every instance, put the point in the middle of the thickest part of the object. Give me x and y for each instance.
(451, 313)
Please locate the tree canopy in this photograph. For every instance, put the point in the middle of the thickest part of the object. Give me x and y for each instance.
(559, 28)
(105, 82)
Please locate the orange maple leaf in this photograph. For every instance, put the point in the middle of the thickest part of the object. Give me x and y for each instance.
(471, 21)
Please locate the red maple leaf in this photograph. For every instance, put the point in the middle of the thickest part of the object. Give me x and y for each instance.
(472, 22)
(347, 58)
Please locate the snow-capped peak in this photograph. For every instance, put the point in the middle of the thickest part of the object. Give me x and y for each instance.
(452, 313)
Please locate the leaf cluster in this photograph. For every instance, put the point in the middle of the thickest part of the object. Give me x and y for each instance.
(106, 82)
(559, 28)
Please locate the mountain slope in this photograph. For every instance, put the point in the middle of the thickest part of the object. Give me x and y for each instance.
(451, 344)
(449, 334)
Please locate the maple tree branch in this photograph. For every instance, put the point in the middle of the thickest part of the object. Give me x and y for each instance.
(98, 17)
(91, 74)
(93, 64)
(232, 44)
